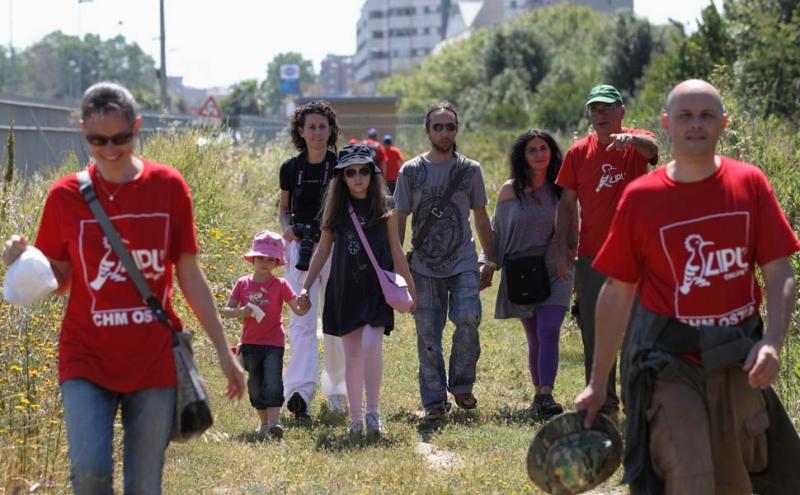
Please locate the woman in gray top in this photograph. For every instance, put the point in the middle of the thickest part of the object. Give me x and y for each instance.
(524, 221)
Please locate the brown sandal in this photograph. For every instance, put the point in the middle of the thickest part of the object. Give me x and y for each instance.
(466, 400)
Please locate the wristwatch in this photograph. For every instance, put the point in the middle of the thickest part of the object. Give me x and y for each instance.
(490, 264)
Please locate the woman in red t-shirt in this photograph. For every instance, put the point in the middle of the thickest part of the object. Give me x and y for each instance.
(112, 351)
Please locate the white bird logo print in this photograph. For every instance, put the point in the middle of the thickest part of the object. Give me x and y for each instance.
(693, 273)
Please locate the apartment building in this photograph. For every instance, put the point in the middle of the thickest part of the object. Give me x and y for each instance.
(394, 36)
(336, 75)
(516, 7)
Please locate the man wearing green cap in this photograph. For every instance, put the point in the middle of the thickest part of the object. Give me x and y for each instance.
(595, 171)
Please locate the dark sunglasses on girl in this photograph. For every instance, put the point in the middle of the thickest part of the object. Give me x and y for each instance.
(440, 127)
(351, 172)
(117, 139)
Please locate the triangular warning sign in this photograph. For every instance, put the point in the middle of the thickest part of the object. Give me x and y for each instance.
(210, 109)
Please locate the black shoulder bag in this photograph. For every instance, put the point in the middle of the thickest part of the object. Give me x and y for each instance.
(527, 279)
(437, 211)
(192, 408)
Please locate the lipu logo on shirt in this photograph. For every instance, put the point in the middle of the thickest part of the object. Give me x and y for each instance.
(711, 266)
(609, 177)
(113, 301)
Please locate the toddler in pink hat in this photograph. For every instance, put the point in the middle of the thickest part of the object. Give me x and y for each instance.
(257, 298)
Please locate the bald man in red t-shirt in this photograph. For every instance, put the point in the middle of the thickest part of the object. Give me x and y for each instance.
(595, 171)
(688, 238)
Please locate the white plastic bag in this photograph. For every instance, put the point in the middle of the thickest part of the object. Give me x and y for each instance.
(29, 278)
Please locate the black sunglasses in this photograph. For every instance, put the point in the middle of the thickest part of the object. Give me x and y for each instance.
(117, 139)
(351, 172)
(440, 127)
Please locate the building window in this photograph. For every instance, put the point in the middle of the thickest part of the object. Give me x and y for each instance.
(376, 14)
(513, 4)
(379, 34)
(426, 30)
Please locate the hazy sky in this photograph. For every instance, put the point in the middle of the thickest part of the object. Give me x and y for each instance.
(217, 43)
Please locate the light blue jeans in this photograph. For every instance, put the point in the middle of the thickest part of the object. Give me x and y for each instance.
(147, 417)
(458, 296)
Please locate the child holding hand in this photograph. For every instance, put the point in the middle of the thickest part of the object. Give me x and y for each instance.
(257, 298)
(355, 308)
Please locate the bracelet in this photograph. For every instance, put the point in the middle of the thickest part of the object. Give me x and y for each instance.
(490, 264)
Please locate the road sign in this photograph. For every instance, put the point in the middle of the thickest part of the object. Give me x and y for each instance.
(210, 109)
(290, 79)
(290, 71)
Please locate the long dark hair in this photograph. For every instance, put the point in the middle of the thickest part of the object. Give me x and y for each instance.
(319, 107)
(521, 174)
(337, 197)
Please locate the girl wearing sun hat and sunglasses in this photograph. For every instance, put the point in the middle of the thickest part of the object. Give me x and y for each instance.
(355, 308)
(257, 298)
(112, 352)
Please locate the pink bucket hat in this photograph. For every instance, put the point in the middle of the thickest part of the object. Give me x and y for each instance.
(267, 243)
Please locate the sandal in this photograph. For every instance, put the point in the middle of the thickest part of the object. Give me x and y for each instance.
(466, 400)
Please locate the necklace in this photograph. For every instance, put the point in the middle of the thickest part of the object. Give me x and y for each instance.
(103, 187)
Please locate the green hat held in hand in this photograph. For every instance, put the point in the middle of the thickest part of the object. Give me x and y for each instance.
(565, 458)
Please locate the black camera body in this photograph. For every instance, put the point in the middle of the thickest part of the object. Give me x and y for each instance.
(308, 233)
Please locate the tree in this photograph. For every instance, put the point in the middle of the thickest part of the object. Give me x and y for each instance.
(62, 66)
(245, 98)
(518, 47)
(271, 86)
(628, 52)
(766, 34)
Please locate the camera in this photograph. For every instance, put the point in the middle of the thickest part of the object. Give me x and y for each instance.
(308, 233)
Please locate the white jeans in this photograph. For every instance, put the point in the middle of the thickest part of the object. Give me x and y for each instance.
(301, 371)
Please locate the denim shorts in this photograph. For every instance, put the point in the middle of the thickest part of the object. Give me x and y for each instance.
(264, 365)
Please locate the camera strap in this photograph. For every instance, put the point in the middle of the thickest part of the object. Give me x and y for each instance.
(300, 164)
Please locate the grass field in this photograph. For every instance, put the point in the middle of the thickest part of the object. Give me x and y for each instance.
(235, 190)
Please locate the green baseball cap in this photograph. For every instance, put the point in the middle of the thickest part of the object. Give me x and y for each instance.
(565, 458)
(604, 93)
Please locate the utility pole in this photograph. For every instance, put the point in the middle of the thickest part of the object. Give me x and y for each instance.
(163, 72)
(9, 82)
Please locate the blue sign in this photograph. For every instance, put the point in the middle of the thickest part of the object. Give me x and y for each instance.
(290, 79)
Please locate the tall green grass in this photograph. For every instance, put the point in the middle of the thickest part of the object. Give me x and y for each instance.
(235, 192)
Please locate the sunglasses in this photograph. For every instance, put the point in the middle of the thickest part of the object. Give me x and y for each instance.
(351, 172)
(117, 139)
(441, 127)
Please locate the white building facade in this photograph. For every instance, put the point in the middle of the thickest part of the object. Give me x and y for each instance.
(394, 36)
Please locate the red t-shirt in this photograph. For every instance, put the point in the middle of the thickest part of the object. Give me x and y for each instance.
(377, 149)
(693, 246)
(269, 296)
(599, 177)
(108, 335)
(392, 159)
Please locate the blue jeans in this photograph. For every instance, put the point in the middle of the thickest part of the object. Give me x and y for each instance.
(147, 417)
(264, 365)
(460, 294)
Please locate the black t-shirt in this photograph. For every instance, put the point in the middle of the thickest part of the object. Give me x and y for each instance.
(306, 198)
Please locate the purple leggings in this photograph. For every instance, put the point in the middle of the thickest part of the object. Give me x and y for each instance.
(542, 330)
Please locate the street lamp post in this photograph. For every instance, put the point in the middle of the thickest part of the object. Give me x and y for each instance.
(163, 72)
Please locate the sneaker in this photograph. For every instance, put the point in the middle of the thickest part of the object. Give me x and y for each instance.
(275, 432)
(337, 404)
(355, 429)
(298, 406)
(550, 407)
(545, 407)
(374, 424)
